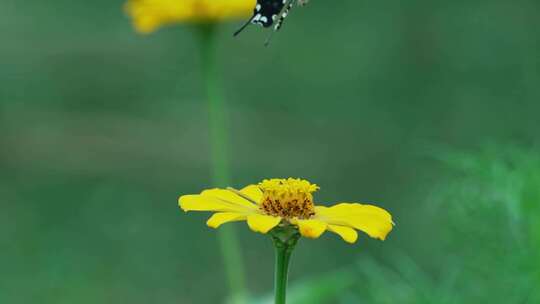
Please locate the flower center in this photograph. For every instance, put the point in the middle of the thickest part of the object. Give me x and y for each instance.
(288, 198)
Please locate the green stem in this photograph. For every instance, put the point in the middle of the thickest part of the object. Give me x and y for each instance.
(285, 240)
(217, 120)
(283, 256)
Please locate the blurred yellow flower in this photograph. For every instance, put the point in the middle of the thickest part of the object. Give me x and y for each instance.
(149, 15)
(288, 202)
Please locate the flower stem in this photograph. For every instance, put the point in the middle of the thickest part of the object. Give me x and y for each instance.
(285, 240)
(217, 119)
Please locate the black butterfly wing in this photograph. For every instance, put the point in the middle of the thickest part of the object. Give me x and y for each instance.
(267, 11)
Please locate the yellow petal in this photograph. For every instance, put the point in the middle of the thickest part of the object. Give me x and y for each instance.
(216, 200)
(262, 223)
(348, 234)
(253, 192)
(229, 196)
(148, 15)
(217, 219)
(310, 228)
(374, 221)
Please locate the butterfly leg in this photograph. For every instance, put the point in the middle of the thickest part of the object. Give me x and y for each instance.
(282, 17)
(284, 14)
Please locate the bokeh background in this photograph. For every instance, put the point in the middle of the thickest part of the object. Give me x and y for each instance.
(429, 108)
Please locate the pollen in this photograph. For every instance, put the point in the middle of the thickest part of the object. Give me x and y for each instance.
(288, 198)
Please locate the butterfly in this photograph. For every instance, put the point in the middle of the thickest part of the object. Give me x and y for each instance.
(268, 12)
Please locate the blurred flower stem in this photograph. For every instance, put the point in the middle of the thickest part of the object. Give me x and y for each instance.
(284, 239)
(217, 118)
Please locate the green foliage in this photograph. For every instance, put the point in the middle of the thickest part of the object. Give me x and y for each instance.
(492, 206)
(488, 212)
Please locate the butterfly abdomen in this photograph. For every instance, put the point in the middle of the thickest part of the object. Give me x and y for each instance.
(269, 12)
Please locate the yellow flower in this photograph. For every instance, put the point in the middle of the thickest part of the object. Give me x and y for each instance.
(284, 202)
(149, 15)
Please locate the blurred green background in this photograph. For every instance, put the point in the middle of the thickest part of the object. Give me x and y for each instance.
(429, 108)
